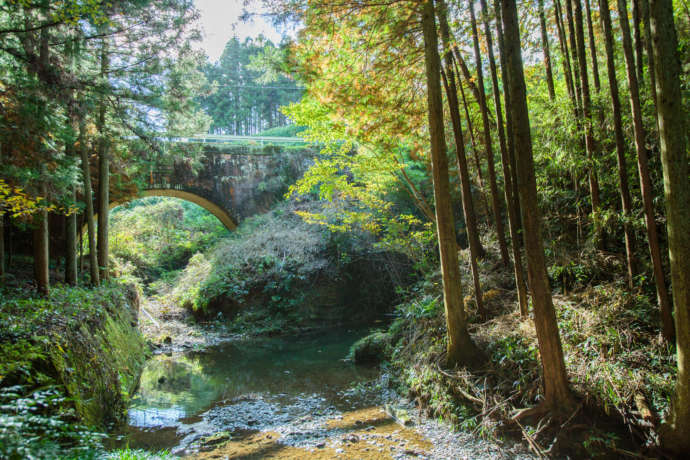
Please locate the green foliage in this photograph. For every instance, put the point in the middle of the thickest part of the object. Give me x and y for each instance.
(138, 454)
(158, 235)
(372, 349)
(41, 424)
(283, 131)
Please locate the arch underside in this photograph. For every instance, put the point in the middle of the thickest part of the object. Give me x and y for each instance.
(210, 206)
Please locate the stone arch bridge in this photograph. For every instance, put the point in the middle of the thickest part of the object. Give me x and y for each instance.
(236, 176)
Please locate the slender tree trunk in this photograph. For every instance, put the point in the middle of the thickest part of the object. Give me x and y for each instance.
(586, 109)
(461, 350)
(81, 244)
(592, 48)
(2, 232)
(476, 249)
(563, 41)
(637, 37)
(644, 4)
(475, 154)
(71, 245)
(505, 162)
(546, 50)
(620, 141)
(645, 180)
(495, 201)
(103, 177)
(2, 248)
(41, 252)
(509, 123)
(575, 60)
(674, 159)
(557, 395)
(88, 198)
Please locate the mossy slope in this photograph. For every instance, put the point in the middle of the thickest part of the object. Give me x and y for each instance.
(84, 340)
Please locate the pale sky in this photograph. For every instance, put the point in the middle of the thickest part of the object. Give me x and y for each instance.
(220, 21)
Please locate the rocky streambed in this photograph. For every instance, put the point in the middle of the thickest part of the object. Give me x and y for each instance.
(288, 397)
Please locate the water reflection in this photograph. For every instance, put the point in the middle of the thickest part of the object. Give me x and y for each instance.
(183, 385)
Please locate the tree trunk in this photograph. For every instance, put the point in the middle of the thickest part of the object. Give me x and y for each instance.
(103, 178)
(476, 249)
(557, 395)
(88, 198)
(495, 201)
(674, 160)
(505, 162)
(467, 201)
(563, 41)
(2, 248)
(545, 48)
(620, 141)
(40, 247)
(645, 180)
(460, 349)
(509, 123)
(586, 109)
(71, 244)
(644, 4)
(592, 48)
(475, 155)
(637, 37)
(574, 57)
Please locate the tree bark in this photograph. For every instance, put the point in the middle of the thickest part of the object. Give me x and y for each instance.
(645, 180)
(505, 162)
(88, 198)
(475, 154)
(637, 37)
(103, 177)
(40, 247)
(476, 249)
(509, 124)
(495, 201)
(71, 244)
(563, 41)
(586, 109)
(620, 141)
(546, 50)
(674, 160)
(557, 395)
(2, 248)
(575, 60)
(592, 48)
(644, 4)
(460, 348)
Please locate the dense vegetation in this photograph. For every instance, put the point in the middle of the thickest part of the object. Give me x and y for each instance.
(528, 162)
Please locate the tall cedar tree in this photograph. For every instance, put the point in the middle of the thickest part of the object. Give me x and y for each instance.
(674, 160)
(513, 210)
(476, 249)
(488, 145)
(620, 141)
(557, 395)
(103, 172)
(460, 348)
(645, 180)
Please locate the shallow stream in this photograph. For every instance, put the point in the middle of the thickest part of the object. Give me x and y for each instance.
(289, 398)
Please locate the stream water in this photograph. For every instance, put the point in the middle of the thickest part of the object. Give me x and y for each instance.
(285, 398)
(245, 386)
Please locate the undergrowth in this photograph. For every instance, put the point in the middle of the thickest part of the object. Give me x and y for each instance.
(616, 362)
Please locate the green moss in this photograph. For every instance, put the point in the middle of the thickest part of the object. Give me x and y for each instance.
(83, 340)
(372, 349)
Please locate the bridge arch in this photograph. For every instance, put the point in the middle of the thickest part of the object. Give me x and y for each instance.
(208, 205)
